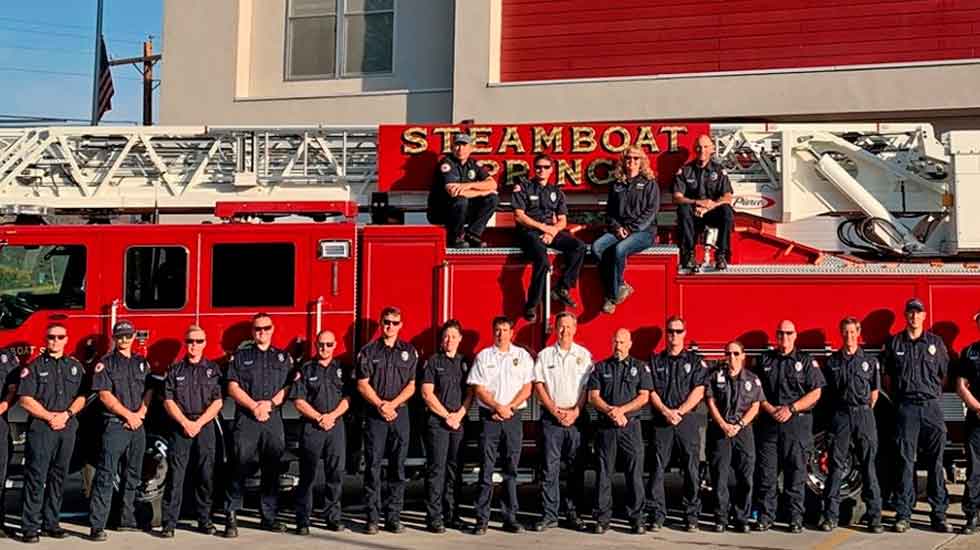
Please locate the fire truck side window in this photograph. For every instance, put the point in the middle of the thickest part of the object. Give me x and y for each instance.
(156, 277)
(253, 275)
(40, 277)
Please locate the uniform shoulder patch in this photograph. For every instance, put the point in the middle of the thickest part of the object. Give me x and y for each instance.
(517, 188)
(297, 376)
(99, 367)
(445, 167)
(815, 364)
(25, 372)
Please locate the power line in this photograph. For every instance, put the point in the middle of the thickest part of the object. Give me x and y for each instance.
(61, 73)
(64, 34)
(57, 50)
(37, 23)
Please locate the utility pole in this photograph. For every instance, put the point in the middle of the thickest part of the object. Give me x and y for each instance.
(95, 70)
(144, 64)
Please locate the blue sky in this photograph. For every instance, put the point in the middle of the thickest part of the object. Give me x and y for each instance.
(51, 37)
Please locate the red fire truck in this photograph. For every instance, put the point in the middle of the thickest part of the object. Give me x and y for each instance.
(172, 226)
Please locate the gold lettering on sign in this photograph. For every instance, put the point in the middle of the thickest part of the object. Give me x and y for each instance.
(447, 137)
(511, 139)
(594, 171)
(583, 139)
(673, 132)
(624, 139)
(548, 140)
(644, 138)
(515, 169)
(571, 173)
(492, 166)
(413, 141)
(481, 139)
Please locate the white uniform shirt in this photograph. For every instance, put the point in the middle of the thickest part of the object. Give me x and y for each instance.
(565, 374)
(502, 374)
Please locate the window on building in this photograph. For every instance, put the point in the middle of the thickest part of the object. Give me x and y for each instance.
(40, 277)
(253, 275)
(339, 38)
(156, 277)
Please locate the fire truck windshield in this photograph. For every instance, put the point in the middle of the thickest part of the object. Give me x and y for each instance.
(39, 277)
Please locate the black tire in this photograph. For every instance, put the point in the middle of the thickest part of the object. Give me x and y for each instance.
(852, 508)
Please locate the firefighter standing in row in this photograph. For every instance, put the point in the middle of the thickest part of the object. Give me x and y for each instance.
(463, 196)
(120, 378)
(192, 400)
(447, 397)
(968, 388)
(618, 388)
(703, 196)
(9, 371)
(678, 376)
(561, 375)
(321, 395)
(915, 363)
(50, 390)
(791, 382)
(258, 374)
(501, 376)
(386, 371)
(853, 381)
(733, 394)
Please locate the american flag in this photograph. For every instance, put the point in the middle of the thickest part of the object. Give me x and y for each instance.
(105, 89)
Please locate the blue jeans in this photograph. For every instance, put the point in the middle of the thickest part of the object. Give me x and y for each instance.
(612, 254)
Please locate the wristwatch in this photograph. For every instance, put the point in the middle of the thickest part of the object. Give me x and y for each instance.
(792, 408)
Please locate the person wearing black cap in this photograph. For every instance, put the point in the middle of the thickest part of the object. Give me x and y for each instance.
(968, 388)
(463, 196)
(51, 392)
(9, 371)
(915, 363)
(192, 399)
(120, 378)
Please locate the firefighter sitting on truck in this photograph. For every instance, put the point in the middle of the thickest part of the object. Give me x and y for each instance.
(703, 196)
(463, 196)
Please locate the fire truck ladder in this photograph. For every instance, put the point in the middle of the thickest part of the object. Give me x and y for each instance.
(181, 169)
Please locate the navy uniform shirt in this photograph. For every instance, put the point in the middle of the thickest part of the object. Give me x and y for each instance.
(733, 396)
(448, 377)
(540, 202)
(676, 376)
(697, 182)
(451, 170)
(54, 383)
(633, 204)
(786, 378)
(851, 379)
(916, 367)
(968, 368)
(323, 387)
(261, 374)
(193, 386)
(9, 371)
(124, 377)
(619, 382)
(387, 369)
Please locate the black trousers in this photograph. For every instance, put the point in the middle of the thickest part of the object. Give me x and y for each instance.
(385, 440)
(687, 439)
(971, 495)
(610, 440)
(853, 425)
(562, 444)
(921, 426)
(443, 471)
(473, 214)
(782, 447)
(197, 455)
(256, 446)
(5, 450)
(499, 438)
(330, 447)
(46, 459)
(688, 225)
(118, 444)
(535, 249)
(731, 457)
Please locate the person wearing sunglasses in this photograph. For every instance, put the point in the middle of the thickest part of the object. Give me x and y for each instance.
(542, 216)
(50, 390)
(631, 214)
(678, 375)
(703, 195)
(9, 371)
(258, 376)
(968, 388)
(386, 370)
(853, 382)
(733, 394)
(792, 383)
(463, 196)
(447, 398)
(120, 379)
(321, 395)
(192, 399)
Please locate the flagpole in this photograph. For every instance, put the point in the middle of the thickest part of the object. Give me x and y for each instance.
(95, 70)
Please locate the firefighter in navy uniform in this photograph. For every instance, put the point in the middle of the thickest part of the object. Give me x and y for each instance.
(192, 399)
(791, 382)
(541, 215)
(463, 196)
(733, 394)
(258, 374)
(120, 378)
(678, 376)
(50, 390)
(703, 196)
(386, 370)
(968, 388)
(853, 381)
(321, 395)
(618, 388)
(914, 362)
(9, 372)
